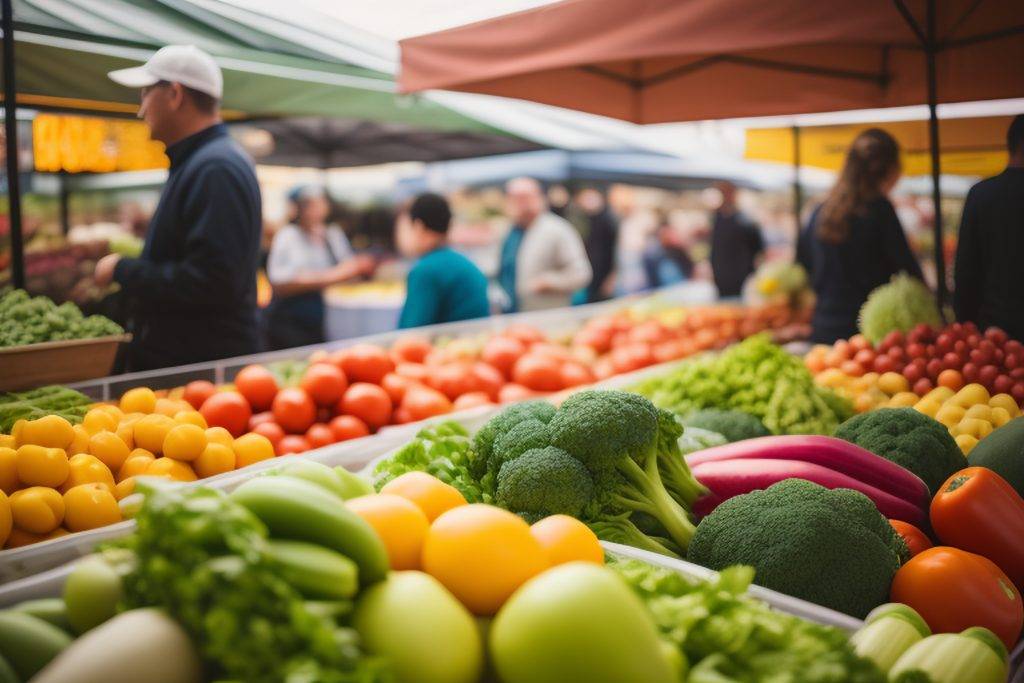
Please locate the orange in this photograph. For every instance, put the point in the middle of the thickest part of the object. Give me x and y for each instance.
(169, 467)
(80, 444)
(124, 488)
(250, 448)
(87, 469)
(99, 420)
(482, 554)
(430, 494)
(185, 442)
(219, 435)
(193, 417)
(109, 448)
(567, 539)
(39, 466)
(37, 510)
(400, 524)
(215, 459)
(151, 431)
(137, 463)
(126, 432)
(138, 400)
(90, 506)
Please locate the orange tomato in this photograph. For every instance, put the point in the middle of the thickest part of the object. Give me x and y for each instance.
(250, 448)
(540, 373)
(345, 427)
(429, 493)
(324, 383)
(422, 402)
(198, 391)
(566, 539)
(258, 385)
(396, 385)
(482, 554)
(369, 402)
(472, 400)
(291, 443)
(411, 348)
(229, 410)
(414, 371)
(954, 590)
(399, 523)
(271, 430)
(502, 353)
(319, 435)
(294, 410)
(915, 539)
(952, 379)
(366, 363)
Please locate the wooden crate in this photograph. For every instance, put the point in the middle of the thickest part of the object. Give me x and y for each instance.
(57, 362)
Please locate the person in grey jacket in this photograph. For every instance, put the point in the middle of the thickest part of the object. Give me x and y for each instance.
(543, 260)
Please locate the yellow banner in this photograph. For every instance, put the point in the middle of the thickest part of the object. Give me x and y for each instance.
(971, 147)
(78, 144)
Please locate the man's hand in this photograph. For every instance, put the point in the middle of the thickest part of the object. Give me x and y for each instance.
(104, 273)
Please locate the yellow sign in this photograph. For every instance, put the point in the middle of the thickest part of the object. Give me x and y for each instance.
(78, 144)
(971, 147)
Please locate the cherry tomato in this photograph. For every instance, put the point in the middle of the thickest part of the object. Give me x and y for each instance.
(227, 409)
(369, 402)
(472, 400)
(540, 373)
(325, 383)
(198, 391)
(294, 410)
(260, 418)
(396, 385)
(422, 402)
(271, 430)
(347, 427)
(258, 385)
(292, 443)
(502, 353)
(366, 363)
(319, 435)
(411, 349)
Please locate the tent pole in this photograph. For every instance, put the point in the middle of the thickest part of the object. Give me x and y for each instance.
(933, 136)
(798, 197)
(11, 139)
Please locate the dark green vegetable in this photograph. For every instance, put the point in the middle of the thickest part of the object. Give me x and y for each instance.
(1002, 451)
(542, 482)
(910, 439)
(525, 436)
(31, 320)
(50, 400)
(483, 442)
(734, 425)
(831, 547)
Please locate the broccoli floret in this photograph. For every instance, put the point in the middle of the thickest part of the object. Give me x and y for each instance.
(734, 425)
(910, 439)
(675, 473)
(618, 436)
(623, 531)
(831, 547)
(542, 482)
(525, 436)
(483, 442)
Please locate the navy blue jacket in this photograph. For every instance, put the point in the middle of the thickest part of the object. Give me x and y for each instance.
(193, 289)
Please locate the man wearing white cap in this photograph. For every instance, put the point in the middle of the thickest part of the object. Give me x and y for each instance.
(193, 289)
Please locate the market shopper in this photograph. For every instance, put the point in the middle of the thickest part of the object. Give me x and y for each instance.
(736, 244)
(306, 257)
(600, 241)
(990, 248)
(543, 260)
(443, 286)
(192, 291)
(854, 241)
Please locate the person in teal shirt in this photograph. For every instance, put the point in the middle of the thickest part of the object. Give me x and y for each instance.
(443, 285)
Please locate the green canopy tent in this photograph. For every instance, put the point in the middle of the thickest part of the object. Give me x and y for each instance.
(63, 50)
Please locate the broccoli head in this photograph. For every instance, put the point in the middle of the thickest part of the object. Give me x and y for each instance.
(734, 425)
(600, 427)
(910, 439)
(525, 436)
(483, 442)
(829, 546)
(543, 482)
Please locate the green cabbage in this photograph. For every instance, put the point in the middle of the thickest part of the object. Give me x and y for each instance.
(900, 305)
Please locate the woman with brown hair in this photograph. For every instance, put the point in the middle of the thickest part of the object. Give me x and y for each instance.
(854, 241)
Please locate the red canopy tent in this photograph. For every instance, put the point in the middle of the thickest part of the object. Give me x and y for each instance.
(653, 61)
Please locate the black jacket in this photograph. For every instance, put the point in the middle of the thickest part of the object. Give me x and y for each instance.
(990, 254)
(842, 275)
(193, 289)
(736, 242)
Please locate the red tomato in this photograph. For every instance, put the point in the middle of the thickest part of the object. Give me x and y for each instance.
(422, 402)
(271, 430)
(540, 373)
(922, 386)
(414, 371)
(502, 353)
(631, 357)
(294, 410)
(555, 351)
(603, 368)
(366, 363)
(396, 385)
(324, 383)
(865, 357)
(319, 435)
(258, 385)
(524, 333)
(512, 392)
(260, 418)
(648, 332)
(599, 339)
(291, 443)
(369, 402)
(487, 378)
(411, 349)
(198, 391)
(347, 427)
(472, 400)
(576, 374)
(400, 416)
(227, 409)
(452, 379)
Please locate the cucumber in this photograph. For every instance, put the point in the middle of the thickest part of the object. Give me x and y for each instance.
(52, 610)
(316, 572)
(354, 485)
(315, 473)
(7, 674)
(29, 643)
(298, 510)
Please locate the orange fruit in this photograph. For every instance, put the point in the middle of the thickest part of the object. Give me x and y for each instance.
(193, 417)
(185, 442)
(482, 554)
(429, 493)
(37, 509)
(219, 435)
(137, 463)
(98, 420)
(138, 400)
(151, 430)
(109, 448)
(89, 506)
(170, 468)
(87, 469)
(124, 488)
(250, 448)
(567, 539)
(400, 524)
(215, 459)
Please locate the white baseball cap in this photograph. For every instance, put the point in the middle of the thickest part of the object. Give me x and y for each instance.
(185, 64)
